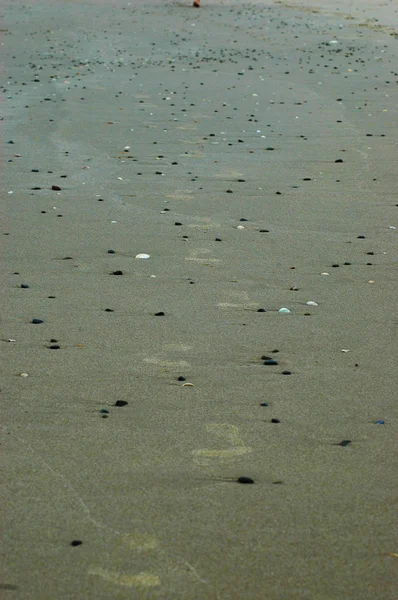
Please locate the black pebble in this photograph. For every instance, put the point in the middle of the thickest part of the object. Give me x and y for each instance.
(264, 230)
(103, 410)
(111, 252)
(181, 378)
(360, 237)
(242, 219)
(274, 351)
(264, 404)
(344, 443)
(53, 347)
(244, 480)
(275, 421)
(159, 314)
(286, 372)
(53, 341)
(76, 543)
(347, 263)
(56, 188)
(261, 310)
(36, 321)
(109, 310)
(117, 273)
(270, 361)
(120, 403)
(336, 265)
(177, 223)
(339, 160)
(24, 286)
(218, 240)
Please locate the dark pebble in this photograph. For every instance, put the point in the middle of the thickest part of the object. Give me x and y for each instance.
(181, 378)
(229, 191)
(117, 273)
(76, 543)
(53, 341)
(53, 347)
(244, 480)
(111, 252)
(109, 310)
(242, 219)
(24, 286)
(277, 483)
(264, 230)
(339, 160)
(347, 263)
(380, 422)
(344, 443)
(262, 310)
(264, 404)
(275, 421)
(120, 403)
(178, 224)
(36, 321)
(274, 351)
(360, 237)
(286, 372)
(159, 314)
(218, 240)
(335, 266)
(270, 361)
(104, 411)
(56, 188)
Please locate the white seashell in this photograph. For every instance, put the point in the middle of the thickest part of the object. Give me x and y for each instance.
(188, 385)
(11, 340)
(143, 256)
(23, 375)
(284, 310)
(311, 303)
(344, 350)
(127, 148)
(324, 273)
(240, 227)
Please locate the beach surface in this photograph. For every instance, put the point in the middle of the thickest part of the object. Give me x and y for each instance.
(172, 178)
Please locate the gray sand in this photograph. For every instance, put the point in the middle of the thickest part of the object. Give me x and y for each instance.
(230, 112)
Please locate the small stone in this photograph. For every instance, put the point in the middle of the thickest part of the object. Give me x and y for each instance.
(284, 310)
(23, 375)
(311, 303)
(56, 188)
(143, 256)
(379, 422)
(188, 385)
(181, 378)
(344, 443)
(111, 252)
(270, 361)
(159, 314)
(177, 224)
(37, 321)
(240, 227)
(264, 404)
(120, 403)
(54, 347)
(244, 479)
(109, 310)
(103, 410)
(286, 372)
(24, 286)
(117, 273)
(261, 310)
(275, 421)
(76, 543)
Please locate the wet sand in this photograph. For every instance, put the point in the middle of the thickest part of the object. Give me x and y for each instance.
(254, 161)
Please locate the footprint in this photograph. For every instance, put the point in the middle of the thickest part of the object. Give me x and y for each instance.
(228, 434)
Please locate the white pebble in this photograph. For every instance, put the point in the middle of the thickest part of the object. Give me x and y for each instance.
(344, 350)
(284, 310)
(23, 375)
(127, 147)
(311, 303)
(240, 227)
(143, 256)
(324, 273)
(11, 340)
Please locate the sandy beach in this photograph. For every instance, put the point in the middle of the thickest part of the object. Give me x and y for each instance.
(199, 283)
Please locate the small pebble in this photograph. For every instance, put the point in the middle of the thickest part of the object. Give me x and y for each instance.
(380, 422)
(111, 252)
(144, 256)
(37, 321)
(54, 347)
(103, 410)
(264, 404)
(76, 543)
(56, 188)
(109, 310)
(244, 479)
(262, 310)
(275, 421)
(344, 443)
(23, 375)
(270, 361)
(286, 372)
(284, 310)
(117, 273)
(24, 286)
(159, 314)
(181, 378)
(311, 303)
(120, 403)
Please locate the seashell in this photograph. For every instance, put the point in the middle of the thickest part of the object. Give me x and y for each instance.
(142, 255)
(311, 303)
